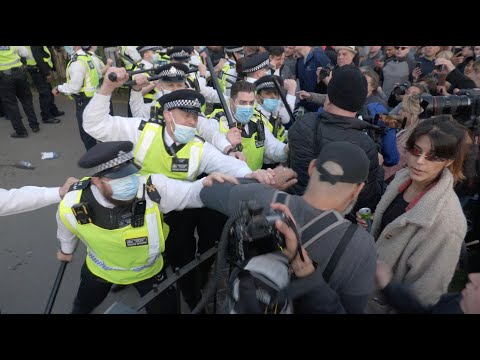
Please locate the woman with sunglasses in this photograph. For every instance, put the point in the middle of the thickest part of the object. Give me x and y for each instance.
(419, 225)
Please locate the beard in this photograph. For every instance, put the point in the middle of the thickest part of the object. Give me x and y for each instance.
(118, 202)
(350, 207)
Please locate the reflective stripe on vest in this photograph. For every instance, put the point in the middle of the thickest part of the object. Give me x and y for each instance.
(90, 81)
(9, 58)
(281, 134)
(127, 60)
(109, 257)
(30, 59)
(150, 153)
(253, 153)
(48, 59)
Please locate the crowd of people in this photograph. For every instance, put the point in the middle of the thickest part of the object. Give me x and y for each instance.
(329, 130)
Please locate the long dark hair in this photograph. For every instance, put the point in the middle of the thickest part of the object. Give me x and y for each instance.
(447, 138)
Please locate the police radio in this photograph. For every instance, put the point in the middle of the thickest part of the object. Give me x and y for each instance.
(138, 211)
(80, 211)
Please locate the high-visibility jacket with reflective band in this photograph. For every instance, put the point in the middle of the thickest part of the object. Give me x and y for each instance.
(253, 144)
(272, 123)
(223, 75)
(109, 253)
(127, 60)
(90, 82)
(9, 58)
(48, 59)
(153, 94)
(31, 60)
(152, 155)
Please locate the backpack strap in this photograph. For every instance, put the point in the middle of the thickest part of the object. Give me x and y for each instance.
(337, 254)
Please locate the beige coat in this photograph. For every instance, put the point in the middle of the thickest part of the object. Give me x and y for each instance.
(423, 244)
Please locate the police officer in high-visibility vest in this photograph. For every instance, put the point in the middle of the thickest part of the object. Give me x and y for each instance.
(82, 82)
(228, 74)
(40, 65)
(130, 57)
(119, 216)
(173, 77)
(13, 85)
(258, 66)
(257, 140)
(149, 58)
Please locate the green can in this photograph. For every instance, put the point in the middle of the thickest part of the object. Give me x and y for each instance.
(365, 213)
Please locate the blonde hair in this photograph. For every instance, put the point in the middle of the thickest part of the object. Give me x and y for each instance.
(411, 104)
(446, 54)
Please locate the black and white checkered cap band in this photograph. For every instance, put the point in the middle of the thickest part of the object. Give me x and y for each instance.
(265, 85)
(237, 49)
(183, 103)
(120, 159)
(172, 72)
(180, 54)
(258, 67)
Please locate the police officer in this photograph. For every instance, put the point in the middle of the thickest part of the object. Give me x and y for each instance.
(173, 77)
(119, 216)
(82, 82)
(149, 58)
(13, 84)
(40, 65)
(130, 56)
(229, 72)
(257, 140)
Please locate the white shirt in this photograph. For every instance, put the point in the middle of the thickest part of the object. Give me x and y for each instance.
(206, 128)
(23, 52)
(98, 64)
(27, 198)
(77, 74)
(133, 53)
(98, 123)
(175, 195)
(211, 95)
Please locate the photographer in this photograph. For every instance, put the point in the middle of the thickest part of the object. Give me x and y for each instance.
(337, 177)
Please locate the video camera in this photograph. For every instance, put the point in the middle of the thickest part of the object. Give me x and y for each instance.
(325, 71)
(254, 232)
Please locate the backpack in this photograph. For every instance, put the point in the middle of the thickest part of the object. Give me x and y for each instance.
(261, 285)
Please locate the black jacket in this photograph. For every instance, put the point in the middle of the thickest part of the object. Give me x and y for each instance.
(304, 142)
(39, 54)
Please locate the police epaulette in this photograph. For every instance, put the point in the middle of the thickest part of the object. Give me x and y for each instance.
(152, 191)
(80, 185)
(218, 115)
(142, 125)
(74, 58)
(200, 138)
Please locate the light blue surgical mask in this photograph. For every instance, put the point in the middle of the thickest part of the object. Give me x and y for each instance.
(155, 58)
(243, 113)
(69, 49)
(182, 133)
(125, 188)
(270, 104)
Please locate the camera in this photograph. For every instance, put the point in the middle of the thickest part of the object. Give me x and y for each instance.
(464, 106)
(325, 71)
(400, 89)
(254, 232)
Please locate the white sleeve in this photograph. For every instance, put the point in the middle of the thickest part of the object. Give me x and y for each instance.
(211, 95)
(138, 106)
(77, 75)
(27, 198)
(274, 149)
(214, 161)
(23, 52)
(68, 240)
(98, 123)
(133, 53)
(282, 111)
(177, 194)
(210, 131)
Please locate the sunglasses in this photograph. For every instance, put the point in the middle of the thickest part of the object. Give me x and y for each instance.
(429, 157)
(401, 47)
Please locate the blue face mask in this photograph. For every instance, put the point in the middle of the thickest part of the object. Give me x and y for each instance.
(183, 134)
(69, 49)
(270, 104)
(125, 188)
(243, 113)
(155, 58)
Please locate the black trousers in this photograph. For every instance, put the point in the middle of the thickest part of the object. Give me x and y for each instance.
(12, 87)
(180, 246)
(2, 109)
(81, 103)
(93, 290)
(46, 98)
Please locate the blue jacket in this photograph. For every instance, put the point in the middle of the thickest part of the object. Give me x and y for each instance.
(375, 105)
(307, 73)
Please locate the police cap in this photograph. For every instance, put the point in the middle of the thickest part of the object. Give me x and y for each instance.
(180, 53)
(233, 49)
(112, 159)
(266, 83)
(256, 62)
(173, 72)
(184, 99)
(145, 48)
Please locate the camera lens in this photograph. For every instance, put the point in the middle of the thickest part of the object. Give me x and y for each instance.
(437, 105)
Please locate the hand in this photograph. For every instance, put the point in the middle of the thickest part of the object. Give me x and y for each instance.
(202, 69)
(470, 303)
(378, 64)
(238, 155)
(109, 62)
(303, 95)
(284, 177)
(263, 176)
(383, 275)
(141, 81)
(64, 189)
(300, 267)
(108, 86)
(55, 91)
(290, 85)
(361, 221)
(49, 77)
(380, 159)
(219, 66)
(416, 74)
(448, 65)
(64, 257)
(456, 59)
(234, 136)
(328, 78)
(219, 177)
